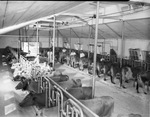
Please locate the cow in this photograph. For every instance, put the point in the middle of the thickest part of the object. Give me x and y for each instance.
(102, 106)
(18, 78)
(124, 74)
(62, 56)
(34, 99)
(80, 93)
(70, 83)
(143, 79)
(74, 61)
(83, 63)
(29, 85)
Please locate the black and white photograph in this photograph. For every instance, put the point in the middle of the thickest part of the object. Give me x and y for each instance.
(75, 58)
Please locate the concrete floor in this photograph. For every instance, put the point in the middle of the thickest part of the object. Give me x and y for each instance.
(126, 100)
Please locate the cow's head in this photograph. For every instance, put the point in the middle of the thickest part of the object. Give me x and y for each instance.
(77, 83)
(23, 84)
(28, 100)
(64, 77)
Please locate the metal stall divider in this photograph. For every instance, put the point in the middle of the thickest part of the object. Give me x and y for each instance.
(45, 85)
(75, 109)
(74, 106)
(58, 100)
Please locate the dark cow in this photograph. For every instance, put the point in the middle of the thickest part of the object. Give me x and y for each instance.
(102, 106)
(70, 83)
(124, 74)
(80, 93)
(18, 78)
(143, 80)
(29, 85)
(62, 56)
(34, 99)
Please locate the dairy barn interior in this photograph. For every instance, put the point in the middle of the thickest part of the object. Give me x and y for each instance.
(75, 58)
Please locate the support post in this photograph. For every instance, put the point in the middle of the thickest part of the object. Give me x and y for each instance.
(122, 43)
(53, 40)
(57, 38)
(19, 41)
(95, 48)
(49, 43)
(89, 43)
(37, 37)
(70, 40)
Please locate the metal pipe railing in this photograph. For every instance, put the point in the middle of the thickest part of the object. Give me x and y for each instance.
(84, 108)
(74, 109)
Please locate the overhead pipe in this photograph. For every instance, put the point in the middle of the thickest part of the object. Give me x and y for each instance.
(95, 48)
(15, 27)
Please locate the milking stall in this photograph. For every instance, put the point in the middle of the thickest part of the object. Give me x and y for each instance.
(75, 58)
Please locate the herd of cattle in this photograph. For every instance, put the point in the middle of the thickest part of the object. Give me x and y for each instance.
(111, 67)
(102, 106)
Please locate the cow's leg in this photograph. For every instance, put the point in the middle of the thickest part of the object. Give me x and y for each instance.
(42, 112)
(104, 69)
(97, 72)
(112, 76)
(122, 82)
(148, 86)
(141, 84)
(112, 79)
(134, 82)
(144, 88)
(137, 87)
(122, 79)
